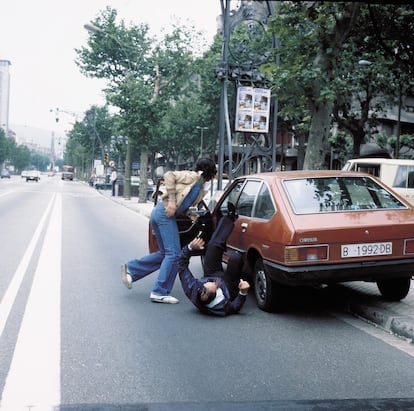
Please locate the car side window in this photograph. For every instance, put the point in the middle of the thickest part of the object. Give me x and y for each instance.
(404, 177)
(264, 207)
(247, 198)
(232, 196)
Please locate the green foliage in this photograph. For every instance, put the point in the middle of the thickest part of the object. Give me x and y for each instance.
(4, 147)
(21, 157)
(90, 138)
(145, 77)
(320, 46)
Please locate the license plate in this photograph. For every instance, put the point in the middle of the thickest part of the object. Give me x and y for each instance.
(365, 250)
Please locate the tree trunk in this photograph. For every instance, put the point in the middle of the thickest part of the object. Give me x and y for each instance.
(318, 146)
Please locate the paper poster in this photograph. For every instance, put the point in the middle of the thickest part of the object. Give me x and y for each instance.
(253, 108)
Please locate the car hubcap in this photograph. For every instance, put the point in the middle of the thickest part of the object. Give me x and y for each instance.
(261, 288)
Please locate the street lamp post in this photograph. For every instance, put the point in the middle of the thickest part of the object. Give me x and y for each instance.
(201, 138)
(365, 108)
(127, 181)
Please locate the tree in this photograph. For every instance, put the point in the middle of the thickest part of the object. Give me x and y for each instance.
(321, 44)
(20, 157)
(145, 77)
(364, 91)
(4, 146)
(90, 138)
(312, 35)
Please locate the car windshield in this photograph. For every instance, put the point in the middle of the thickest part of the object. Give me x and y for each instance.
(336, 194)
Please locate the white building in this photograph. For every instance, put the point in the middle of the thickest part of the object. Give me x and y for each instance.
(4, 95)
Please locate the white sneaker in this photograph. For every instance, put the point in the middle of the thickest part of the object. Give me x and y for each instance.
(126, 277)
(166, 299)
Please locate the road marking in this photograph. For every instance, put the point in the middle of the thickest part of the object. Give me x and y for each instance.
(10, 295)
(34, 375)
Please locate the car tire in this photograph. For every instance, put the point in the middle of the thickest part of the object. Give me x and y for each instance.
(394, 289)
(263, 287)
(270, 296)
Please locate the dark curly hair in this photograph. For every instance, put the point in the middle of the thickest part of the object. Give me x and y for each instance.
(207, 166)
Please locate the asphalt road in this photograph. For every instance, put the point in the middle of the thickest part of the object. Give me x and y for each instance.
(73, 337)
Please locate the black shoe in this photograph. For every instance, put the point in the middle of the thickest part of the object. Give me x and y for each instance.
(232, 211)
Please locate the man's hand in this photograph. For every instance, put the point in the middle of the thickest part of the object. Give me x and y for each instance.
(171, 208)
(197, 244)
(244, 286)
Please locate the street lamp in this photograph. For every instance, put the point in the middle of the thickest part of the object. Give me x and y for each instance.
(92, 28)
(365, 105)
(201, 137)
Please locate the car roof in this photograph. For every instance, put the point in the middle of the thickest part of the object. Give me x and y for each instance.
(378, 160)
(282, 175)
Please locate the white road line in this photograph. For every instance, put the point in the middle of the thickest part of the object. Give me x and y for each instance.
(10, 295)
(34, 375)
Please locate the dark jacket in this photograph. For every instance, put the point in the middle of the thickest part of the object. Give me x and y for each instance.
(191, 286)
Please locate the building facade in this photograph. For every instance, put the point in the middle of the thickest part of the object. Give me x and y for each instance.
(4, 95)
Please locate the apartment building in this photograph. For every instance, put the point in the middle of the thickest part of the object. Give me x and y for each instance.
(4, 94)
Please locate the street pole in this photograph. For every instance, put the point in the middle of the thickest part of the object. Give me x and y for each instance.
(201, 138)
(127, 185)
(225, 7)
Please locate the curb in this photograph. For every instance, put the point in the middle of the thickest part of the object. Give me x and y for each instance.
(394, 323)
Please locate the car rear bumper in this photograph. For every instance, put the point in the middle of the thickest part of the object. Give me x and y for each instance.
(324, 274)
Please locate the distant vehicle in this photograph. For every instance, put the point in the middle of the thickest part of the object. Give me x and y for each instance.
(101, 183)
(24, 173)
(150, 186)
(33, 175)
(68, 172)
(5, 173)
(395, 173)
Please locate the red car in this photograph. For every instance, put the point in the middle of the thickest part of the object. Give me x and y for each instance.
(302, 228)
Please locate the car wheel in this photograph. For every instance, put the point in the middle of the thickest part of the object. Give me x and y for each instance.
(394, 289)
(263, 287)
(270, 296)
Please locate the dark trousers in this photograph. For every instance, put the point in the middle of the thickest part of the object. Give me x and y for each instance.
(214, 253)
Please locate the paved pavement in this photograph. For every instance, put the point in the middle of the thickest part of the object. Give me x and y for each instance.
(362, 299)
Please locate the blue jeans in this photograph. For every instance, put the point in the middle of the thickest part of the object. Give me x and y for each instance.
(166, 259)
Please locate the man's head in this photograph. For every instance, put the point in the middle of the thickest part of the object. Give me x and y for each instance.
(208, 168)
(207, 293)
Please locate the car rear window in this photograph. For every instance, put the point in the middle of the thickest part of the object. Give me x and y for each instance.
(338, 194)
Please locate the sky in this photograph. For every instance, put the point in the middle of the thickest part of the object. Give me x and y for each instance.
(39, 38)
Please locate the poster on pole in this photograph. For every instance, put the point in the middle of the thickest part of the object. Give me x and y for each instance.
(253, 109)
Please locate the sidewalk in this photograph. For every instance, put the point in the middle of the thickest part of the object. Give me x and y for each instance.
(362, 299)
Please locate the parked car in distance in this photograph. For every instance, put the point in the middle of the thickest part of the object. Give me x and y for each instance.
(101, 182)
(24, 173)
(135, 180)
(33, 175)
(5, 173)
(306, 228)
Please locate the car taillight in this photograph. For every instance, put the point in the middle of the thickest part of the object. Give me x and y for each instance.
(409, 246)
(306, 253)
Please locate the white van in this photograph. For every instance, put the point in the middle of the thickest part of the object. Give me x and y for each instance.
(395, 173)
